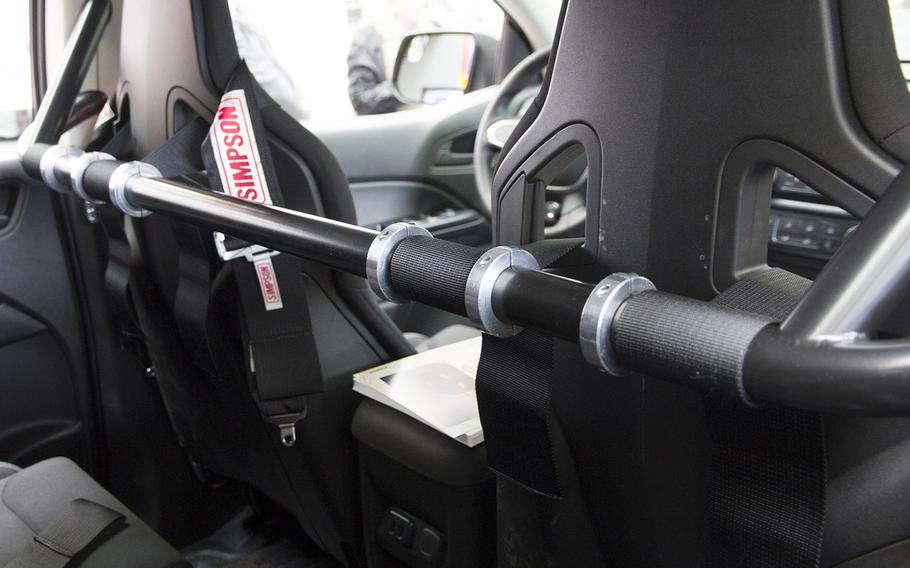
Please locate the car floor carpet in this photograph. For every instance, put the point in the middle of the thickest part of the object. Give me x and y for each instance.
(245, 543)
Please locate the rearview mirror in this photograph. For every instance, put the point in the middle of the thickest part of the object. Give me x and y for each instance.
(435, 67)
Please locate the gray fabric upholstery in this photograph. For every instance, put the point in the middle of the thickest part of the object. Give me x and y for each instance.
(32, 499)
(451, 334)
(7, 469)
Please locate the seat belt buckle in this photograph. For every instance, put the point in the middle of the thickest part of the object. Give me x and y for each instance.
(287, 426)
(252, 253)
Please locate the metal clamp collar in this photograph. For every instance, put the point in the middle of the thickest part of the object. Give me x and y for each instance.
(77, 174)
(478, 293)
(117, 185)
(596, 323)
(49, 160)
(380, 255)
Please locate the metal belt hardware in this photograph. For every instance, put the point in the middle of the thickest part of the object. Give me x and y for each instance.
(287, 426)
(380, 256)
(49, 161)
(250, 252)
(117, 186)
(596, 323)
(478, 293)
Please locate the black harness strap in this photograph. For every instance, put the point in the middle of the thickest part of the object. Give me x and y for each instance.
(84, 523)
(767, 465)
(117, 268)
(282, 366)
(514, 382)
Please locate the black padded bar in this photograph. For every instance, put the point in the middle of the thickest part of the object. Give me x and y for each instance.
(433, 271)
(702, 345)
(31, 160)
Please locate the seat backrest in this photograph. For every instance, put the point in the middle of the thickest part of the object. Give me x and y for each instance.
(173, 76)
(684, 110)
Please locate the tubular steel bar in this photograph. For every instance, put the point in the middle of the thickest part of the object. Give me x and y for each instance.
(76, 59)
(818, 359)
(866, 278)
(695, 343)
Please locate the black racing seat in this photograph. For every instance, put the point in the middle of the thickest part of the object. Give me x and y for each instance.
(679, 103)
(202, 374)
(32, 501)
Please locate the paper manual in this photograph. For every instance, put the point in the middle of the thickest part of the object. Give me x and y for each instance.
(435, 387)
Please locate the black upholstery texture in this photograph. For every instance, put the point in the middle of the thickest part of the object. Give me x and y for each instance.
(433, 271)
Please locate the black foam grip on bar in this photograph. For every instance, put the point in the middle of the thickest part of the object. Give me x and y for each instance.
(31, 161)
(433, 271)
(97, 178)
(695, 343)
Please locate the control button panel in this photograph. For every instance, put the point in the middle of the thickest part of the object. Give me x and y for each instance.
(802, 233)
(411, 539)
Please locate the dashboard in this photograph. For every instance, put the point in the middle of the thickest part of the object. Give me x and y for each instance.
(804, 229)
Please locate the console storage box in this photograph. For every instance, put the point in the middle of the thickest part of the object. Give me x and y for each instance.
(428, 500)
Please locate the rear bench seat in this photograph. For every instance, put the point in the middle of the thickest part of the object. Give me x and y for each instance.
(38, 528)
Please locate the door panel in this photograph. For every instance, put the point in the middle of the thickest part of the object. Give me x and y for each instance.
(45, 392)
(414, 165)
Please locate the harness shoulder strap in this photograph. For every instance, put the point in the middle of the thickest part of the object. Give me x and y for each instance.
(282, 362)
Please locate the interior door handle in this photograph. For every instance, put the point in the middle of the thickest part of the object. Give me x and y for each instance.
(446, 157)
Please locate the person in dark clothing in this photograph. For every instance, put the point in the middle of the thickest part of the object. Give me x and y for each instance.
(369, 88)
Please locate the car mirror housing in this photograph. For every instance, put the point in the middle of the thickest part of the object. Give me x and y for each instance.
(438, 66)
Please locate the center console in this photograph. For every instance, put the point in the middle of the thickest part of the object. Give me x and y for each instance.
(428, 500)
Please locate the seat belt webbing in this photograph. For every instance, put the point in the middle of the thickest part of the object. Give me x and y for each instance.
(82, 524)
(767, 465)
(282, 363)
(514, 382)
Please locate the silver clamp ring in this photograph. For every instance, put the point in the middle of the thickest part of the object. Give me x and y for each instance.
(77, 174)
(49, 160)
(596, 323)
(117, 185)
(478, 293)
(379, 257)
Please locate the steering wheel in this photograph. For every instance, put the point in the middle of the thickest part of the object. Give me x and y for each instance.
(499, 120)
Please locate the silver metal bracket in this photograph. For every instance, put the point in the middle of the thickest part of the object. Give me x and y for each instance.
(49, 160)
(380, 255)
(252, 252)
(478, 293)
(596, 323)
(77, 174)
(117, 186)
(287, 426)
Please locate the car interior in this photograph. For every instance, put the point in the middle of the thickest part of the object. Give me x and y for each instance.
(678, 232)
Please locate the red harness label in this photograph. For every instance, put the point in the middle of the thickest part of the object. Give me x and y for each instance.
(236, 152)
(268, 283)
(240, 169)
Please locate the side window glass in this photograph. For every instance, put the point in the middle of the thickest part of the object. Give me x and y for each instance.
(15, 68)
(333, 60)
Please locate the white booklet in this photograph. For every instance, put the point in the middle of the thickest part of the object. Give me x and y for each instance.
(435, 387)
